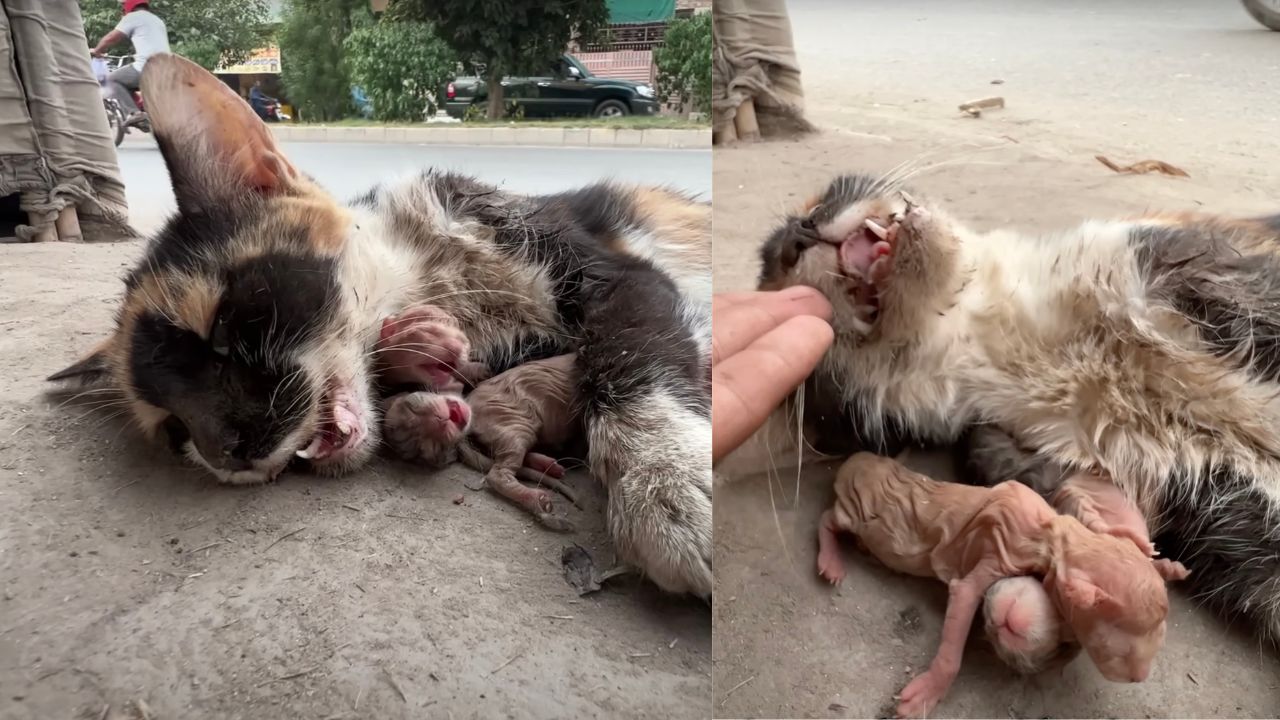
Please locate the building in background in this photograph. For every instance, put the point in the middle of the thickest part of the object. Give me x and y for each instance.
(262, 65)
(636, 28)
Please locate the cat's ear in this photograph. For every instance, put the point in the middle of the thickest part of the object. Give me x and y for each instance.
(92, 369)
(216, 148)
(1082, 593)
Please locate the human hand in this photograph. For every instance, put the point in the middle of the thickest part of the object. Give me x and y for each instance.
(764, 344)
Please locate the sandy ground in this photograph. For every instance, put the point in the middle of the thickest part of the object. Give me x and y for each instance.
(127, 576)
(786, 645)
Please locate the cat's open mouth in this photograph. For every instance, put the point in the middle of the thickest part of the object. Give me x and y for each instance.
(342, 428)
(452, 417)
(865, 258)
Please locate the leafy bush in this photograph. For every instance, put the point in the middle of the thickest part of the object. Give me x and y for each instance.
(401, 66)
(684, 62)
(311, 55)
(208, 32)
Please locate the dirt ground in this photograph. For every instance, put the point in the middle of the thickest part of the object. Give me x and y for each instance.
(127, 576)
(787, 645)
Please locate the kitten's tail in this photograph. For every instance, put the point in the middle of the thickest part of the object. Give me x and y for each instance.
(1226, 531)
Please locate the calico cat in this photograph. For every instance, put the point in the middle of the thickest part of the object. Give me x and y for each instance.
(1149, 348)
(247, 331)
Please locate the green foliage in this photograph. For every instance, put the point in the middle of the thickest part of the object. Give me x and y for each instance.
(496, 38)
(684, 62)
(311, 38)
(400, 65)
(208, 32)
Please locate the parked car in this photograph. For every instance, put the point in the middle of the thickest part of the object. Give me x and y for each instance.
(568, 88)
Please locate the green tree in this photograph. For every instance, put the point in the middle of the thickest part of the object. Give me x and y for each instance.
(496, 38)
(684, 62)
(311, 54)
(208, 32)
(400, 65)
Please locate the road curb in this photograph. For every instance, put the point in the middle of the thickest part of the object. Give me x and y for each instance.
(652, 138)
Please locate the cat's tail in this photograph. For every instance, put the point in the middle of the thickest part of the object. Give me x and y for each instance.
(1226, 531)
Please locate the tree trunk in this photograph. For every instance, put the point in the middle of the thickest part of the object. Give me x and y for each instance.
(497, 106)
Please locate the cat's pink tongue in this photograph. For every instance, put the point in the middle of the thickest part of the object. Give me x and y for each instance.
(856, 254)
(860, 252)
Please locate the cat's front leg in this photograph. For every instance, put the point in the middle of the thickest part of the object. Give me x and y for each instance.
(648, 420)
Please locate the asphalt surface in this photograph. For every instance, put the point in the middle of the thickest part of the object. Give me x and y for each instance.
(347, 169)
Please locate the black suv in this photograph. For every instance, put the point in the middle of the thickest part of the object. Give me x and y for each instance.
(568, 88)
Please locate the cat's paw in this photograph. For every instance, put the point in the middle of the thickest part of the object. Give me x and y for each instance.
(423, 345)
(660, 520)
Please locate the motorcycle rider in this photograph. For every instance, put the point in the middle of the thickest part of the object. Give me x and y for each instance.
(149, 36)
(259, 100)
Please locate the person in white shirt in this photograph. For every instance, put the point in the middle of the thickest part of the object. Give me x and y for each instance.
(149, 36)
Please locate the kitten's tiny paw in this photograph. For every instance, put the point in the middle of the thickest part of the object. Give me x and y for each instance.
(831, 568)
(920, 696)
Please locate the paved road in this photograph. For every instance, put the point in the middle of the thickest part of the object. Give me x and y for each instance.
(1164, 75)
(348, 169)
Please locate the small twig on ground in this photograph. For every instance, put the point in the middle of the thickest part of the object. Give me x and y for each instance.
(559, 617)
(131, 482)
(144, 710)
(672, 644)
(290, 676)
(352, 508)
(105, 709)
(359, 694)
(633, 656)
(206, 547)
(361, 589)
(195, 524)
(15, 432)
(734, 689)
(394, 685)
(407, 517)
(227, 625)
(1192, 678)
(284, 537)
(512, 659)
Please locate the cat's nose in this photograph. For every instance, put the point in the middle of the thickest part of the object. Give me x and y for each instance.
(796, 246)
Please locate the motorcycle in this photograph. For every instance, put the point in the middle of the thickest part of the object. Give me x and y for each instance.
(1266, 12)
(118, 119)
(268, 108)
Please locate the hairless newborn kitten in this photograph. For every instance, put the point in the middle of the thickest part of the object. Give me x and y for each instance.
(1024, 627)
(507, 415)
(1111, 593)
(1020, 620)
